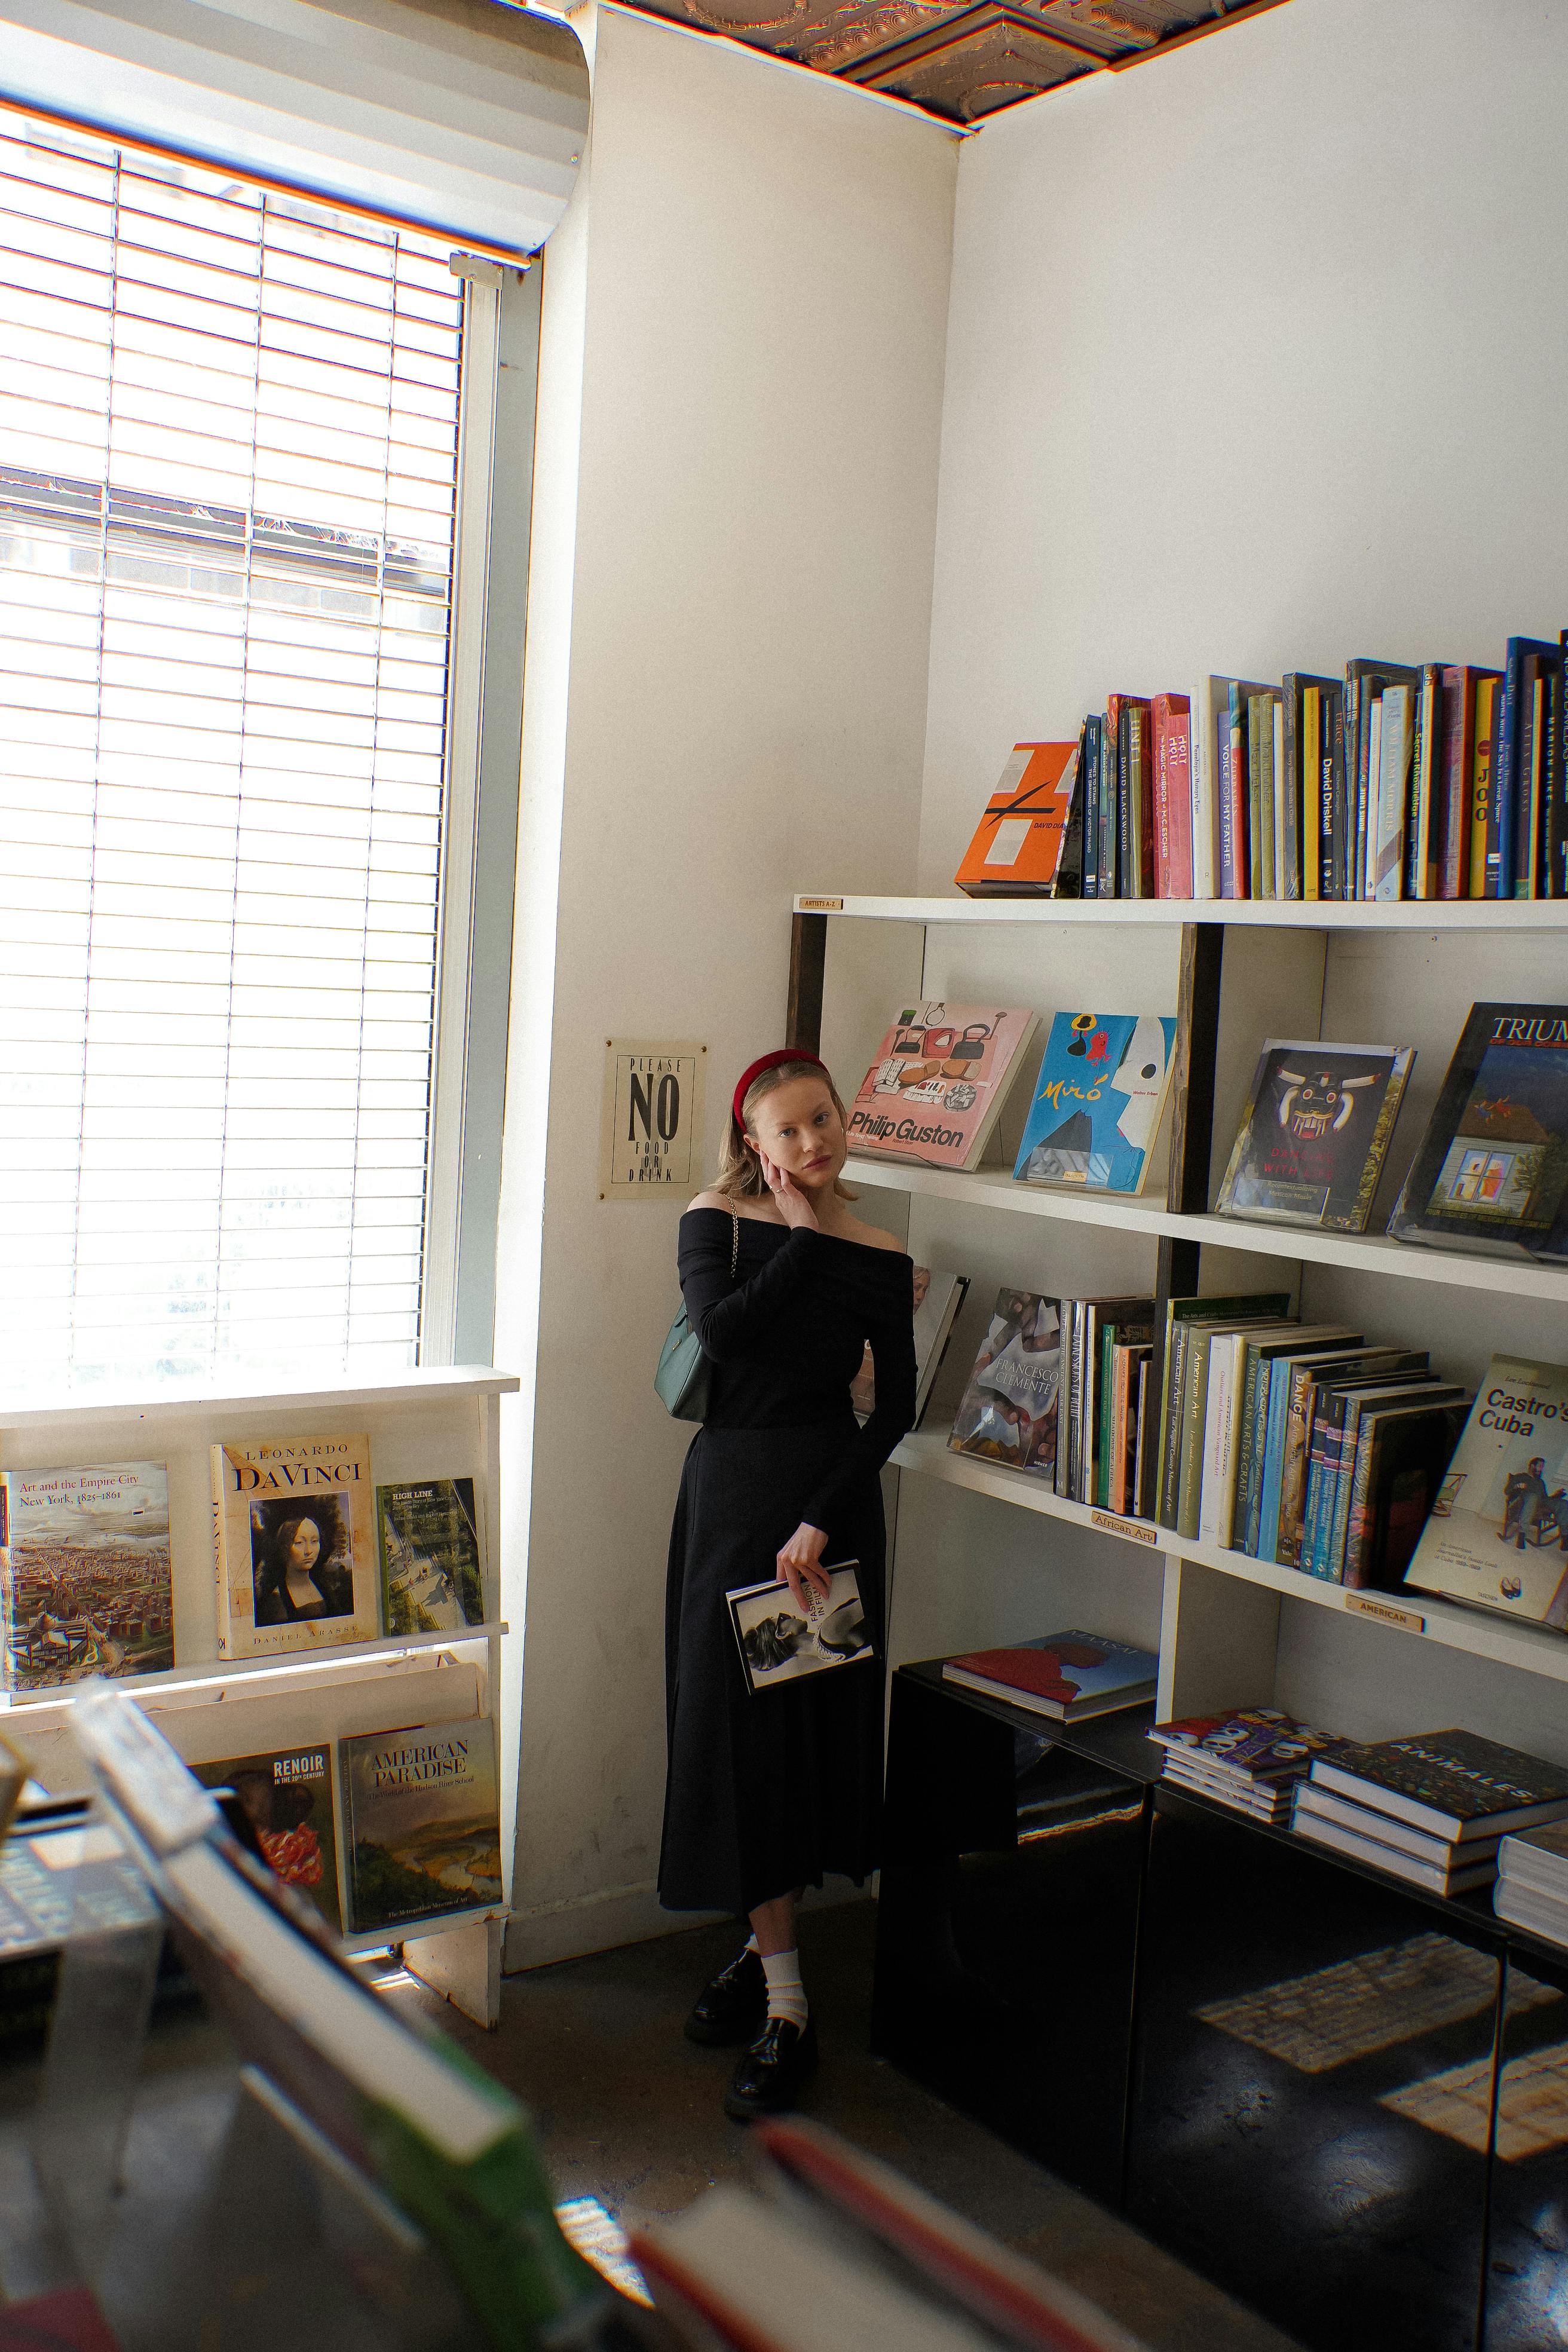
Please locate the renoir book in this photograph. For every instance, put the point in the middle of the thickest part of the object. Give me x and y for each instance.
(85, 1584)
(1315, 1133)
(1492, 1168)
(431, 1580)
(293, 1525)
(1065, 1676)
(935, 1090)
(1498, 1535)
(1010, 1409)
(1098, 1102)
(288, 1795)
(777, 1645)
(421, 1823)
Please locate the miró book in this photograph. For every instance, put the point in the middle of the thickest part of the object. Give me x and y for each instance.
(294, 1534)
(1099, 1100)
(1498, 1534)
(421, 1823)
(84, 1573)
(935, 1091)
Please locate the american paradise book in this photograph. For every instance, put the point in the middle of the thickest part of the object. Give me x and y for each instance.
(1099, 1100)
(1497, 1533)
(85, 1585)
(294, 1534)
(935, 1091)
(1011, 1411)
(1315, 1133)
(421, 1823)
(287, 1794)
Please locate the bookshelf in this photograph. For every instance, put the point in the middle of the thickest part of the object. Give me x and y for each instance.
(443, 1423)
(984, 1554)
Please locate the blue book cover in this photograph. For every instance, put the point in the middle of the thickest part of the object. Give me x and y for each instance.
(1098, 1101)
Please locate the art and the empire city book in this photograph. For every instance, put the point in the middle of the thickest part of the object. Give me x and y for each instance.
(85, 1584)
(294, 1532)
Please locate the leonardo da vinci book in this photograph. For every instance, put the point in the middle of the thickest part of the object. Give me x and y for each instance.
(935, 1090)
(294, 1536)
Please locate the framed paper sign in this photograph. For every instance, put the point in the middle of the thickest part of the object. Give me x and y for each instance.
(650, 1130)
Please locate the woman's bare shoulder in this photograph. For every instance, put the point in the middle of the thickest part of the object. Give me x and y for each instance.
(763, 1214)
(873, 1237)
(709, 1200)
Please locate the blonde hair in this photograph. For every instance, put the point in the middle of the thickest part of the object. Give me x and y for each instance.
(739, 1176)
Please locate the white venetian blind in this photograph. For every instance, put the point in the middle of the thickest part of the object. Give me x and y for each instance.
(227, 452)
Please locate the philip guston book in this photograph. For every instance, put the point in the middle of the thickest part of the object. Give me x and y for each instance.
(1315, 1133)
(421, 1823)
(84, 1573)
(287, 1794)
(1098, 1101)
(1010, 1412)
(777, 1645)
(935, 1090)
(1498, 1534)
(1065, 1676)
(431, 1580)
(294, 1532)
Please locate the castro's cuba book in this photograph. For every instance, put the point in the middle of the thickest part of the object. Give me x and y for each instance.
(1498, 1534)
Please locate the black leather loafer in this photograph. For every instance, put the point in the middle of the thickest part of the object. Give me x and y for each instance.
(733, 2006)
(772, 2071)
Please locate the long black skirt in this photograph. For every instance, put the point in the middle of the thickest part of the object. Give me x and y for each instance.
(764, 1792)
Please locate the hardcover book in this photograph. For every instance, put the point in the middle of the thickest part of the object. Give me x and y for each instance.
(421, 1823)
(288, 1795)
(1068, 1676)
(1454, 1784)
(85, 1585)
(1172, 796)
(1315, 1133)
(1307, 801)
(1254, 1743)
(1099, 1100)
(1010, 1409)
(293, 1524)
(935, 1091)
(938, 1300)
(1498, 1535)
(778, 1645)
(1017, 852)
(1456, 1876)
(431, 1578)
(1491, 1170)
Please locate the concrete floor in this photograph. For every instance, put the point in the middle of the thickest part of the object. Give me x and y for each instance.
(631, 2113)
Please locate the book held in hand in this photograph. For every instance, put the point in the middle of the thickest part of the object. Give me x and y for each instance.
(421, 1823)
(777, 1645)
(935, 1091)
(1497, 1533)
(1065, 1676)
(1099, 1100)
(1315, 1133)
(1009, 1412)
(293, 1522)
(1492, 1171)
(431, 1578)
(85, 1584)
(288, 1795)
(1017, 852)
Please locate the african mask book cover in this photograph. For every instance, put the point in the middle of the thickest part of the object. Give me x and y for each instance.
(1098, 1102)
(1315, 1133)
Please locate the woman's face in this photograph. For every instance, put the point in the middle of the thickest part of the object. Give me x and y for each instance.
(797, 1127)
(305, 1550)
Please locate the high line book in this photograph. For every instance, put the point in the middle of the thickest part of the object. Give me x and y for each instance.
(84, 1581)
(1068, 1676)
(935, 1091)
(294, 1536)
(432, 1579)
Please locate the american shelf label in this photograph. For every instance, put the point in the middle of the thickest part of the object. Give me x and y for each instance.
(1408, 1620)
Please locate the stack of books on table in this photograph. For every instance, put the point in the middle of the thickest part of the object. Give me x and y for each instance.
(1532, 1888)
(1430, 1808)
(1250, 1760)
(1065, 1676)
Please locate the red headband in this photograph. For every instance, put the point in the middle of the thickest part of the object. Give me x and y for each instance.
(770, 1061)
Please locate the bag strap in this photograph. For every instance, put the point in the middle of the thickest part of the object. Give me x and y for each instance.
(734, 1242)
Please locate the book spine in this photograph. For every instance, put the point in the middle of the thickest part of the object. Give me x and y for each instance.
(1260, 1439)
(220, 1561)
(1554, 833)
(1393, 797)
(1345, 1467)
(1103, 1468)
(1179, 795)
(1527, 779)
(1290, 804)
(1487, 705)
(1293, 1474)
(1420, 867)
(1143, 1453)
(1355, 1567)
(1123, 804)
(1068, 881)
(8, 1591)
(1235, 853)
(1259, 807)
(1189, 1478)
(1243, 1448)
(1313, 1514)
(1286, 862)
(1451, 781)
(1312, 794)
(1335, 814)
(1159, 721)
(1499, 811)
(1091, 807)
(1326, 1449)
(1273, 1467)
(1202, 778)
(1216, 1438)
(1170, 1467)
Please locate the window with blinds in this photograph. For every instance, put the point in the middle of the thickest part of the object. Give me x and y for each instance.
(227, 458)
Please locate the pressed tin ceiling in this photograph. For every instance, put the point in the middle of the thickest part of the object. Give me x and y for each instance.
(956, 59)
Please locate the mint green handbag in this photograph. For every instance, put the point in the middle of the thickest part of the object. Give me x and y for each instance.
(684, 1372)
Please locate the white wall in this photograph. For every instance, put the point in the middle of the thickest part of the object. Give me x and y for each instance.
(744, 321)
(1256, 362)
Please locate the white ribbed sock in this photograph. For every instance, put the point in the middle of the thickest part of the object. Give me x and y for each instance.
(787, 1993)
(751, 1943)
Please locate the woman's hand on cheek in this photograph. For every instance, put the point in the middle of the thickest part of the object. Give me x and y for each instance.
(800, 1565)
(791, 1202)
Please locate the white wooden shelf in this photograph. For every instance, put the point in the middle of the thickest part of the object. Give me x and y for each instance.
(992, 1188)
(439, 1923)
(1475, 1632)
(1279, 914)
(442, 1383)
(207, 1679)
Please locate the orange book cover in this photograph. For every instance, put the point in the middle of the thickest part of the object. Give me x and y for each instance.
(1017, 852)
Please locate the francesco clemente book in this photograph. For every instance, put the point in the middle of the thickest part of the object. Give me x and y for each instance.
(1099, 1100)
(294, 1533)
(421, 1822)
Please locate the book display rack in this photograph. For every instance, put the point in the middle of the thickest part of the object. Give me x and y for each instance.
(421, 1425)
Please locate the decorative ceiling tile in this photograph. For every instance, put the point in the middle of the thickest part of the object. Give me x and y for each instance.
(982, 59)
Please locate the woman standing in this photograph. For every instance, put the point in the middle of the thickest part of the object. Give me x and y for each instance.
(783, 1286)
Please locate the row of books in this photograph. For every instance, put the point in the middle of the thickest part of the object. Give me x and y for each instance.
(1490, 1173)
(309, 1554)
(1429, 780)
